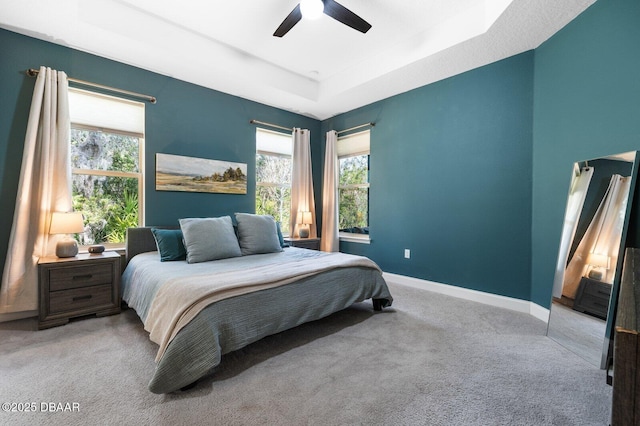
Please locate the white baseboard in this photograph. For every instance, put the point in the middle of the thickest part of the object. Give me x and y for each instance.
(477, 296)
(12, 316)
(539, 312)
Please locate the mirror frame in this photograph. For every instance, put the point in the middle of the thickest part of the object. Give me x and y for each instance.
(607, 347)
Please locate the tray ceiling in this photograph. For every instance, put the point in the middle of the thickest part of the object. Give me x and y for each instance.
(320, 68)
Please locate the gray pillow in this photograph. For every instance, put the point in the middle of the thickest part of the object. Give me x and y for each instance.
(209, 239)
(257, 234)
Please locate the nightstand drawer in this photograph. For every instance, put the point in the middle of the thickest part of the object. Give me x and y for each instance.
(79, 276)
(598, 290)
(80, 298)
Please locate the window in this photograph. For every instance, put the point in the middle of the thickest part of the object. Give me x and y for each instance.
(273, 176)
(353, 185)
(107, 144)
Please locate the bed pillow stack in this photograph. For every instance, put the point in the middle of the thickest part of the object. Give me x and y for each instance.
(257, 234)
(205, 239)
(209, 239)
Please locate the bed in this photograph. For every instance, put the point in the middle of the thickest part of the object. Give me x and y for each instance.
(253, 296)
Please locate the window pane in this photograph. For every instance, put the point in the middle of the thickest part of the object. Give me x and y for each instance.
(109, 206)
(273, 188)
(95, 150)
(275, 200)
(354, 209)
(273, 169)
(354, 170)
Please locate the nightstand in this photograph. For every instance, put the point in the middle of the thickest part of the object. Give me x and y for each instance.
(82, 285)
(308, 243)
(592, 297)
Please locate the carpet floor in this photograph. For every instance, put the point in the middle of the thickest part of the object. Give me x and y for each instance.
(429, 360)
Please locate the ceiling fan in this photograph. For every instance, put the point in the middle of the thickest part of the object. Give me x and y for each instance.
(312, 9)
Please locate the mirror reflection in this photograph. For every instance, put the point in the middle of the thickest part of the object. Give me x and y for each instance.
(588, 266)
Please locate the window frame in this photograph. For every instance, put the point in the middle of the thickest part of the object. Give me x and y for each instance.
(114, 173)
(350, 236)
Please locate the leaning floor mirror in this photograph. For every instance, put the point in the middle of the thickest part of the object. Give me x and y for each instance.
(591, 252)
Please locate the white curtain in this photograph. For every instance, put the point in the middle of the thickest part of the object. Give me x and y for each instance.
(302, 199)
(44, 187)
(602, 236)
(575, 201)
(330, 240)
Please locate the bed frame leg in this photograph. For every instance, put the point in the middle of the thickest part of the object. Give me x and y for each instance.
(189, 386)
(377, 304)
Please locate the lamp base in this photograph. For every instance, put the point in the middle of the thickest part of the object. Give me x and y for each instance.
(67, 248)
(596, 274)
(303, 232)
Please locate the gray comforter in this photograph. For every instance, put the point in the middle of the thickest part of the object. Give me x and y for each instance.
(232, 323)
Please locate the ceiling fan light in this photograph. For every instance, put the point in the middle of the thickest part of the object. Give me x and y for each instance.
(311, 9)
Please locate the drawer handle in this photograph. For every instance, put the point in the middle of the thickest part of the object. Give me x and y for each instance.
(79, 298)
(82, 277)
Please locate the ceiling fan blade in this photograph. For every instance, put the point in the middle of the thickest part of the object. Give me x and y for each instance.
(289, 21)
(344, 15)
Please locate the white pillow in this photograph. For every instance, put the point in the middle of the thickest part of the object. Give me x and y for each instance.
(257, 234)
(209, 239)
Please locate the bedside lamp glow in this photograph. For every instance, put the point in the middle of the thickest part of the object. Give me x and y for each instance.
(306, 221)
(599, 264)
(66, 223)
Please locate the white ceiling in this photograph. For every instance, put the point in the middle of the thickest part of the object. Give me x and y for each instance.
(320, 68)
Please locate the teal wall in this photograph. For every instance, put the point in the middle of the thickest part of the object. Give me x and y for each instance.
(451, 179)
(587, 105)
(187, 120)
(461, 151)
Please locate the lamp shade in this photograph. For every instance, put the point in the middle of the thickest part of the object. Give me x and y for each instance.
(599, 260)
(66, 223)
(306, 218)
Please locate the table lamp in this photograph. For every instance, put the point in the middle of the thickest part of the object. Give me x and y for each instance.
(66, 223)
(599, 264)
(306, 221)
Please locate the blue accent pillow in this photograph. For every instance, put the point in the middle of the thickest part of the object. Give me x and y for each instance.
(169, 243)
(280, 237)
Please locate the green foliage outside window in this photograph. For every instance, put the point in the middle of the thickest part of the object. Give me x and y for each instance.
(109, 203)
(273, 188)
(353, 193)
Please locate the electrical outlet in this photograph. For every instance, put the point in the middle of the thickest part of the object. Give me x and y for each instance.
(407, 254)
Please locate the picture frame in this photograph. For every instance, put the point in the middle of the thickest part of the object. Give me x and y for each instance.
(192, 174)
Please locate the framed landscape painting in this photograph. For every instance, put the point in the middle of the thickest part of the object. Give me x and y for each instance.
(190, 174)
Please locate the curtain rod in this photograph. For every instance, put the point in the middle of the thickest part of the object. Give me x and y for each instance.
(357, 127)
(31, 72)
(270, 125)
